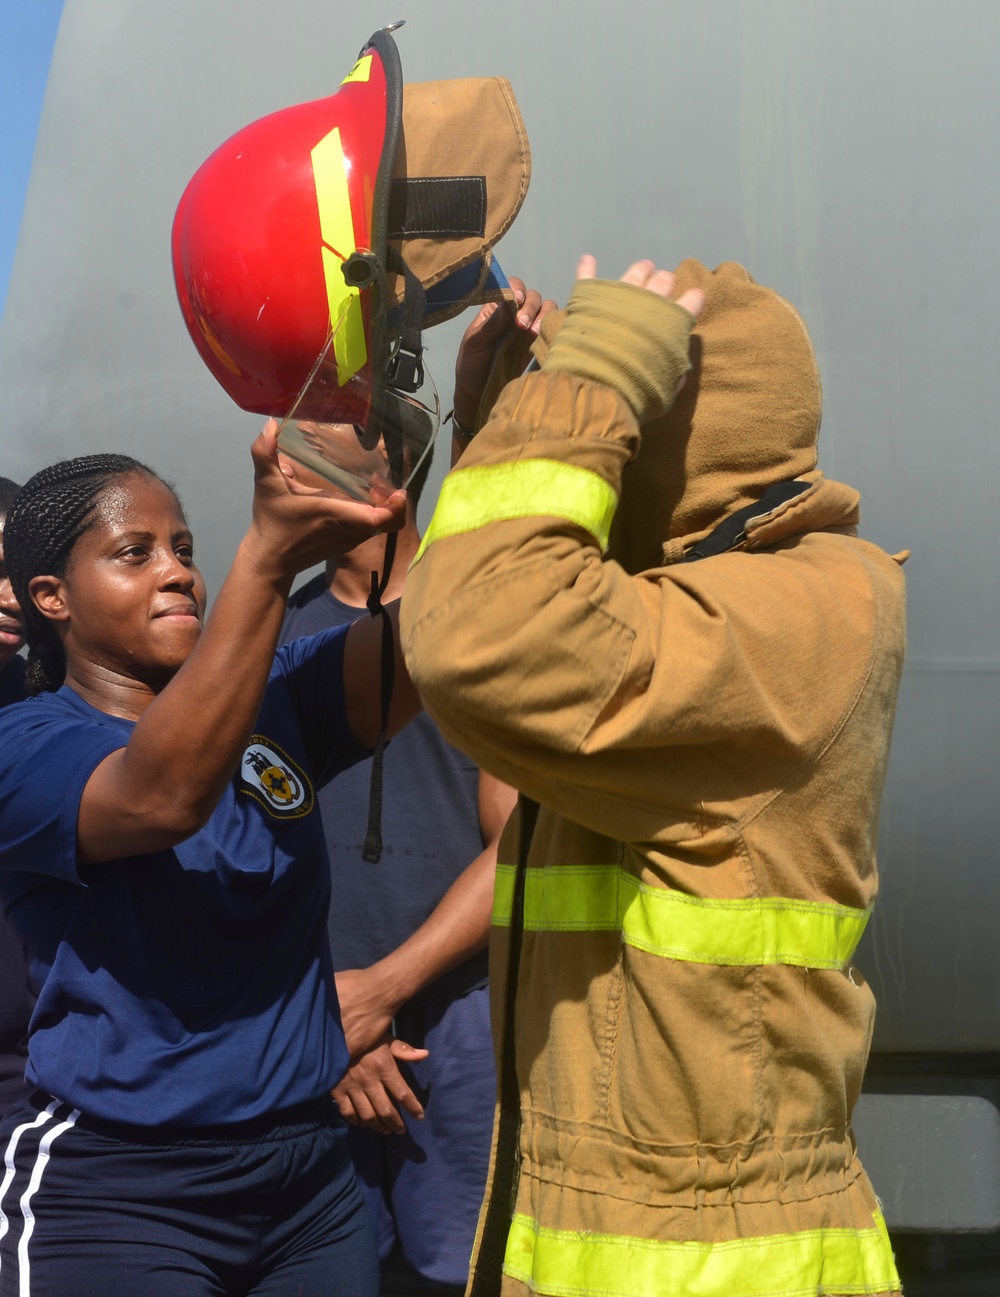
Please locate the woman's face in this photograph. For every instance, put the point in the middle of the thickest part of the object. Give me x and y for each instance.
(131, 601)
(11, 624)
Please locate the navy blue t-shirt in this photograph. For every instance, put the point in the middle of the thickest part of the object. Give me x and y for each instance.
(430, 827)
(16, 1000)
(12, 681)
(193, 986)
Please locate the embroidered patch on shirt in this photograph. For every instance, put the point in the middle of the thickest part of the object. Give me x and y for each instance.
(272, 778)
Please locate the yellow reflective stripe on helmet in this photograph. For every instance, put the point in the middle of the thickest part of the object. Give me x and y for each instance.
(567, 1263)
(337, 232)
(361, 71)
(758, 930)
(474, 497)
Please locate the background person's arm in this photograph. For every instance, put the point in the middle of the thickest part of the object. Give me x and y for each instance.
(373, 1089)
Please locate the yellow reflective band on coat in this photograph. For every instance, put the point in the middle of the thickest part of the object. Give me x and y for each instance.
(337, 232)
(566, 1263)
(474, 497)
(606, 898)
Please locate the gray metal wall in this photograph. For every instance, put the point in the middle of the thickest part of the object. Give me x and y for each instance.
(845, 150)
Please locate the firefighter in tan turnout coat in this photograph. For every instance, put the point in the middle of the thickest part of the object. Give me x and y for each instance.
(656, 619)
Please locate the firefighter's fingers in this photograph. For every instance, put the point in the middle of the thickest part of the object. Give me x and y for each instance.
(640, 273)
(693, 301)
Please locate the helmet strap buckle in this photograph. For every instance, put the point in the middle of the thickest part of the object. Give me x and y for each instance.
(404, 370)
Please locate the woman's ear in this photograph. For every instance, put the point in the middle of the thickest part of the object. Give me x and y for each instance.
(48, 595)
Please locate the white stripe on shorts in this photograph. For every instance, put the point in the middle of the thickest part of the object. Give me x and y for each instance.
(8, 1158)
(35, 1179)
(41, 1162)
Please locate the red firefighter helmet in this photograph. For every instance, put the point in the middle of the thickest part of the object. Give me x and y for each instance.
(268, 225)
(294, 246)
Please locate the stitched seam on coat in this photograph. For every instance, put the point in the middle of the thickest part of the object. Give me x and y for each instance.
(692, 1199)
(612, 1022)
(692, 1150)
(757, 1002)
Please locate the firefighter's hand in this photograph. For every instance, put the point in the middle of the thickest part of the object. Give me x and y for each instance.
(366, 1011)
(374, 1092)
(493, 323)
(644, 274)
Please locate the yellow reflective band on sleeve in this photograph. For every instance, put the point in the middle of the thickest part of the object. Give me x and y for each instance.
(565, 1263)
(503, 895)
(337, 232)
(474, 497)
(361, 71)
(759, 930)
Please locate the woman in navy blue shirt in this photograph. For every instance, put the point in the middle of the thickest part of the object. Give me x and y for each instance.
(161, 856)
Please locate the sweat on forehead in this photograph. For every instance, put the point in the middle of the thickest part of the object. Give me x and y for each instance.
(118, 498)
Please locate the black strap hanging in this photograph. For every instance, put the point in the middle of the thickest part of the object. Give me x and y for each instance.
(372, 850)
(506, 1165)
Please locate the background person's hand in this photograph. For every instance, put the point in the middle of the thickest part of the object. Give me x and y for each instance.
(491, 326)
(374, 1092)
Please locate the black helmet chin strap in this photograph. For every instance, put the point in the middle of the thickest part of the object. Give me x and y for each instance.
(404, 369)
(372, 850)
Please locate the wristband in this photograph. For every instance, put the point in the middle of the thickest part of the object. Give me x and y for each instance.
(460, 428)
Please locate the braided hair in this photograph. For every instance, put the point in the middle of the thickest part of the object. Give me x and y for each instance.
(8, 494)
(51, 512)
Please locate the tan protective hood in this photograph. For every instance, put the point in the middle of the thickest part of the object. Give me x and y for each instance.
(748, 416)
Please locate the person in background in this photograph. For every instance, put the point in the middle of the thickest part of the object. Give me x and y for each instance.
(409, 934)
(12, 665)
(16, 1000)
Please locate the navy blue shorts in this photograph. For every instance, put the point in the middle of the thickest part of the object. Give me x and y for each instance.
(94, 1209)
(424, 1187)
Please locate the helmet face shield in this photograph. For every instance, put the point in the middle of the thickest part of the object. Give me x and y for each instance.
(366, 441)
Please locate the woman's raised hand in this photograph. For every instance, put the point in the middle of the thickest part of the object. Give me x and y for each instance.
(295, 526)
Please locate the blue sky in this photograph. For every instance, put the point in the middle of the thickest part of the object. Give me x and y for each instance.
(27, 35)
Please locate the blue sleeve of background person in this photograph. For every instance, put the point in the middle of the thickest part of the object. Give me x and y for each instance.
(48, 751)
(312, 669)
